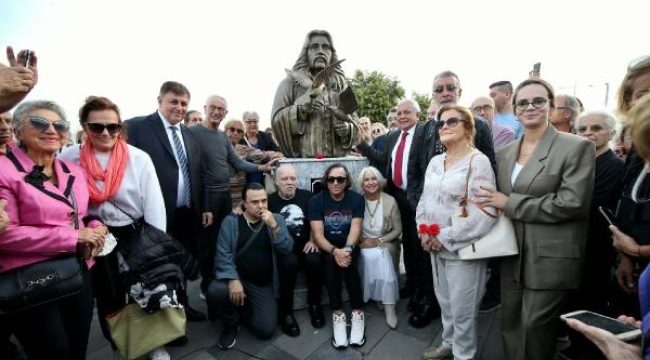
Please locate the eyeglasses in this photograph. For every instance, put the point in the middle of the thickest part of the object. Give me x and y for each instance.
(98, 128)
(234, 129)
(451, 122)
(486, 107)
(251, 121)
(376, 131)
(592, 128)
(537, 103)
(60, 126)
(440, 89)
(337, 179)
(639, 62)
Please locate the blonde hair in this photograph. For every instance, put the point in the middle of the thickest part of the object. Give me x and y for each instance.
(639, 117)
(624, 95)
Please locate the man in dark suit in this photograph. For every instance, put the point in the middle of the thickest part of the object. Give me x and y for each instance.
(176, 156)
(406, 141)
(446, 91)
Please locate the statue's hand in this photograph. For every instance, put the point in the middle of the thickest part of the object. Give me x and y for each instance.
(308, 105)
(342, 129)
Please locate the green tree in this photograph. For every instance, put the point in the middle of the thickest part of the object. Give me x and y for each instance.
(376, 93)
(424, 101)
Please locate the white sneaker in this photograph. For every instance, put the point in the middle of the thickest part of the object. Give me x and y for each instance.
(159, 354)
(357, 334)
(391, 316)
(340, 333)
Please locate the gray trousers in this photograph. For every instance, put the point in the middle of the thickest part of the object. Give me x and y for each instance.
(459, 286)
(529, 320)
(260, 307)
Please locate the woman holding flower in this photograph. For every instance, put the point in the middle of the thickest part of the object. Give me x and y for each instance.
(459, 284)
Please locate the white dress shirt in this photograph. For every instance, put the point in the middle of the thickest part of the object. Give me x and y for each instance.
(407, 152)
(181, 196)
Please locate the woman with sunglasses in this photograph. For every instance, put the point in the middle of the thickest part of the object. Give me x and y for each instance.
(378, 129)
(459, 284)
(47, 205)
(336, 219)
(235, 131)
(123, 186)
(545, 180)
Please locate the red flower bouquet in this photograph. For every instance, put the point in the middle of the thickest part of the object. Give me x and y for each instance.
(431, 229)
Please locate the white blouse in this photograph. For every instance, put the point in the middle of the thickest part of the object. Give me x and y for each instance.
(441, 197)
(139, 194)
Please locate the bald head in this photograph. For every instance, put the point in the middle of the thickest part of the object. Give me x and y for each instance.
(483, 106)
(286, 180)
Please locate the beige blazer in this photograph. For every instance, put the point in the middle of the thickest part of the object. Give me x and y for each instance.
(391, 228)
(549, 206)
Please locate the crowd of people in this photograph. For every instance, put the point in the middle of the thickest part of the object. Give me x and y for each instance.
(239, 222)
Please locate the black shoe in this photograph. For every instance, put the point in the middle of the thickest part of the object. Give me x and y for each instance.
(289, 325)
(406, 292)
(181, 341)
(228, 337)
(193, 315)
(317, 317)
(424, 317)
(416, 302)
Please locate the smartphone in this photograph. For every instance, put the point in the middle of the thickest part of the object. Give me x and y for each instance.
(621, 330)
(608, 215)
(536, 68)
(28, 55)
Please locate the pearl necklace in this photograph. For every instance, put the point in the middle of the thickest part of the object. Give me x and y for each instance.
(373, 212)
(250, 227)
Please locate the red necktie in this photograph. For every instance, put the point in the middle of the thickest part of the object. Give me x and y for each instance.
(397, 178)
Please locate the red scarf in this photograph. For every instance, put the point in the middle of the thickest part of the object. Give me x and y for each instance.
(113, 175)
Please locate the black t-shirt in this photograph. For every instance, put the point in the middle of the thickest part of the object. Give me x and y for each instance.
(336, 215)
(255, 265)
(295, 213)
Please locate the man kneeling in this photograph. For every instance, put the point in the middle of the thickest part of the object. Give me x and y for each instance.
(246, 276)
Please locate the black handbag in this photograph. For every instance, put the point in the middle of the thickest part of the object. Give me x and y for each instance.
(42, 282)
(39, 283)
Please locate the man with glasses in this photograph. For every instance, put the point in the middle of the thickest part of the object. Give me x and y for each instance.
(216, 199)
(483, 107)
(446, 91)
(259, 140)
(567, 109)
(501, 93)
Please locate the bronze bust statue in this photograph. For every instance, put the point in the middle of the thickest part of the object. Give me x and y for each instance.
(312, 111)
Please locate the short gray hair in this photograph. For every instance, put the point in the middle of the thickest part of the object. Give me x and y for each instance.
(413, 103)
(26, 107)
(380, 178)
(608, 119)
(246, 113)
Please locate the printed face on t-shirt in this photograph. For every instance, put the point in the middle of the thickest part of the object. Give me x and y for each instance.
(295, 219)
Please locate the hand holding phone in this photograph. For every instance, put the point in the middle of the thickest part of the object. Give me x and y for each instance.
(621, 330)
(608, 215)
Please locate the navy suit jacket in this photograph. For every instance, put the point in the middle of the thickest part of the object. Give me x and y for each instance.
(148, 134)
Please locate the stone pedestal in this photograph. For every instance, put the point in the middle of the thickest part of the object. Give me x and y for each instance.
(310, 171)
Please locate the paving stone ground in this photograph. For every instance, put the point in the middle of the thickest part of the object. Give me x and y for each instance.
(382, 343)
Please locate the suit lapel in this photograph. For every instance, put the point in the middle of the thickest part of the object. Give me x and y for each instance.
(505, 166)
(156, 124)
(535, 164)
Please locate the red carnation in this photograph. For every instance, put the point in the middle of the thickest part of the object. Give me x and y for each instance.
(423, 229)
(434, 229)
(319, 155)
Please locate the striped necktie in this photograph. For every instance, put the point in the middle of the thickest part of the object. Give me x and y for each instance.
(182, 163)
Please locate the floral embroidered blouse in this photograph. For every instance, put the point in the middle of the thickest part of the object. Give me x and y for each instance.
(441, 197)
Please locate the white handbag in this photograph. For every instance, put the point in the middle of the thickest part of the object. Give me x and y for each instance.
(499, 241)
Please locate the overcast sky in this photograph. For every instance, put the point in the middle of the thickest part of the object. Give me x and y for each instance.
(238, 49)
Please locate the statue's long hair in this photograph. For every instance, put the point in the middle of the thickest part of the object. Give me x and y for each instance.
(302, 64)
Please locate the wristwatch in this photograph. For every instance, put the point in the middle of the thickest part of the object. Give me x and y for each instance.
(349, 246)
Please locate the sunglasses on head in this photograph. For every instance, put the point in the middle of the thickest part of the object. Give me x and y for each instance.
(440, 89)
(537, 103)
(98, 128)
(451, 122)
(336, 179)
(639, 62)
(234, 129)
(60, 126)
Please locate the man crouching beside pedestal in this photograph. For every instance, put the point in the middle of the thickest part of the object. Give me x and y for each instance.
(246, 275)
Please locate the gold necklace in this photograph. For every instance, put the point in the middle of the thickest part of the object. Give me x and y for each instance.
(373, 212)
(250, 227)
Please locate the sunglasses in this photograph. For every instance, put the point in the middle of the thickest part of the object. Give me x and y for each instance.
(639, 62)
(592, 128)
(337, 179)
(376, 131)
(484, 108)
(451, 122)
(60, 126)
(440, 89)
(234, 129)
(537, 103)
(98, 128)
